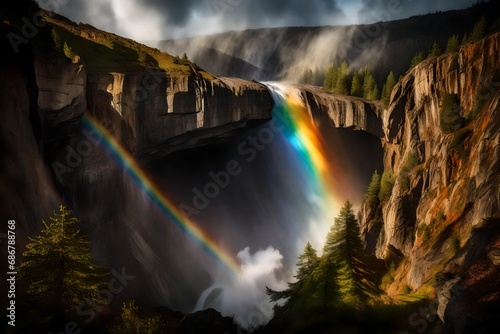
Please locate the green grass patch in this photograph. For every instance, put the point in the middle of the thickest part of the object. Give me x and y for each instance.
(106, 52)
(99, 58)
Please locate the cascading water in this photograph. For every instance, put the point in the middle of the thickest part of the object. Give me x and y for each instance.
(212, 226)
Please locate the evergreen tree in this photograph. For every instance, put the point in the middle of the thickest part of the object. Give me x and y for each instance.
(355, 279)
(465, 39)
(373, 189)
(452, 44)
(59, 265)
(479, 31)
(357, 85)
(388, 87)
(325, 276)
(307, 77)
(370, 89)
(342, 75)
(417, 59)
(185, 57)
(299, 294)
(308, 261)
(330, 82)
(435, 50)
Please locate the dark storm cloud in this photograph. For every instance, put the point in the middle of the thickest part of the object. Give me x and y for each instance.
(176, 13)
(163, 19)
(193, 17)
(371, 9)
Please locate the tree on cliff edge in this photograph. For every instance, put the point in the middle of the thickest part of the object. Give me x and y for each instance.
(59, 266)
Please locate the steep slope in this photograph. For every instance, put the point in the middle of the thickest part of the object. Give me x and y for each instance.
(154, 96)
(384, 46)
(440, 224)
(152, 102)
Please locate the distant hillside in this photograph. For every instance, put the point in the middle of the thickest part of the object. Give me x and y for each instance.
(285, 53)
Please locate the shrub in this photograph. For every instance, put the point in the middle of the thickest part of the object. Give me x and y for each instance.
(424, 232)
(131, 322)
(68, 52)
(386, 184)
(388, 278)
(404, 178)
(449, 116)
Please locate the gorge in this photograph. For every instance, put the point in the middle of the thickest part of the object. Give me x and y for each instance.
(187, 179)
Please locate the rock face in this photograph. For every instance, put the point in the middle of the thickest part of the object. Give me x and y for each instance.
(452, 189)
(152, 109)
(344, 111)
(159, 109)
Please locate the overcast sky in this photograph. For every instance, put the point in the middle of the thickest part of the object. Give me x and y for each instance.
(165, 19)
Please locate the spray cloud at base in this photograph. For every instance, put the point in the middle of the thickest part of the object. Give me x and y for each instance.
(287, 190)
(285, 180)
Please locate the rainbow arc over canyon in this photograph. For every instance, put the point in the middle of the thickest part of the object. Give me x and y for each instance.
(125, 159)
(297, 127)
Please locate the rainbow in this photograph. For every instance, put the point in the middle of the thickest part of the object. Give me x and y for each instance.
(134, 170)
(303, 135)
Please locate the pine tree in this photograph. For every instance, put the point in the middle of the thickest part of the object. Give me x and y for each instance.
(417, 59)
(355, 278)
(465, 39)
(331, 76)
(300, 294)
(388, 87)
(325, 277)
(308, 261)
(307, 77)
(59, 265)
(185, 57)
(435, 50)
(370, 89)
(373, 189)
(342, 74)
(357, 85)
(479, 30)
(452, 44)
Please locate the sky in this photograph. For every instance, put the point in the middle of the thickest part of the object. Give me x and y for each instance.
(148, 20)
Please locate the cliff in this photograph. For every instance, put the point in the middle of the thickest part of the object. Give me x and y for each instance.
(440, 224)
(152, 102)
(157, 103)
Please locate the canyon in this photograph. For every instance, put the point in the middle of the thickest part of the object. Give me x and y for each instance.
(452, 190)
